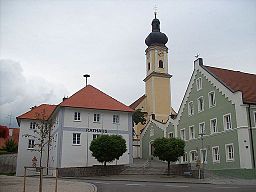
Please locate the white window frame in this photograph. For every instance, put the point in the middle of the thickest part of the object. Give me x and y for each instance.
(75, 139)
(211, 104)
(183, 135)
(184, 158)
(228, 152)
(216, 156)
(201, 155)
(77, 116)
(31, 144)
(225, 122)
(199, 128)
(115, 119)
(199, 104)
(190, 135)
(171, 135)
(254, 115)
(190, 156)
(216, 125)
(190, 108)
(95, 136)
(199, 84)
(32, 125)
(96, 117)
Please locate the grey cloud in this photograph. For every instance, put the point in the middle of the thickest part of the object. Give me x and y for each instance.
(18, 93)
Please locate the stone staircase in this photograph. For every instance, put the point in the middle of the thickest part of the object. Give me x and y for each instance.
(146, 167)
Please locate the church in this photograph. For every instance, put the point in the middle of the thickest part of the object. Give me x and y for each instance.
(217, 116)
(156, 102)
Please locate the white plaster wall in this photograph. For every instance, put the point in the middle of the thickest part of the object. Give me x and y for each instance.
(73, 155)
(245, 153)
(87, 116)
(25, 156)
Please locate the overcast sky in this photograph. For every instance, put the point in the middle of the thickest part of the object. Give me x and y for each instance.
(47, 45)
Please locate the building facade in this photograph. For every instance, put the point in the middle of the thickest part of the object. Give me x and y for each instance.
(216, 120)
(156, 102)
(78, 120)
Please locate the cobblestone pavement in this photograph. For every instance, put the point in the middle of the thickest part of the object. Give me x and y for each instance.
(15, 184)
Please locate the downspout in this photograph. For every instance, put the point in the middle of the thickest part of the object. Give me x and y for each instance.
(251, 136)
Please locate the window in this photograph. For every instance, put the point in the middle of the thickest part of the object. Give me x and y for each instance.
(76, 138)
(95, 136)
(199, 84)
(211, 97)
(190, 108)
(213, 125)
(77, 116)
(182, 134)
(184, 158)
(254, 118)
(203, 155)
(148, 66)
(161, 64)
(227, 122)
(193, 156)
(115, 118)
(229, 152)
(31, 144)
(216, 154)
(200, 104)
(32, 125)
(201, 128)
(171, 135)
(191, 132)
(96, 118)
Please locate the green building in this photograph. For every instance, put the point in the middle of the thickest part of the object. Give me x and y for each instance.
(217, 120)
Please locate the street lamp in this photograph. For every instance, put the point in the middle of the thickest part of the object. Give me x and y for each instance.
(203, 154)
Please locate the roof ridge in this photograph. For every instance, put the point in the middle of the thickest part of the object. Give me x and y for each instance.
(230, 70)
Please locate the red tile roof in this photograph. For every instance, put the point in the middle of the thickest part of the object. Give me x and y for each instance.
(43, 111)
(137, 102)
(91, 98)
(236, 81)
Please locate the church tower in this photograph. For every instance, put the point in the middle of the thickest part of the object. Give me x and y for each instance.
(157, 81)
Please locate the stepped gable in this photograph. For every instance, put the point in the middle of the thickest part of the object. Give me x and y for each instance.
(91, 98)
(236, 81)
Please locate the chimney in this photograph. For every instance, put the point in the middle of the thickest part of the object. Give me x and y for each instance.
(64, 98)
(198, 61)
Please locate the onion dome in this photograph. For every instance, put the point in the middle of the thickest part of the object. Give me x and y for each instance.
(156, 37)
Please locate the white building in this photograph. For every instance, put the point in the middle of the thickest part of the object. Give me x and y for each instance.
(77, 121)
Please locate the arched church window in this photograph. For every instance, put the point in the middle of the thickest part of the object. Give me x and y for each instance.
(161, 64)
(148, 66)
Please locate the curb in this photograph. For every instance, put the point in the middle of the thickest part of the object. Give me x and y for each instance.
(133, 180)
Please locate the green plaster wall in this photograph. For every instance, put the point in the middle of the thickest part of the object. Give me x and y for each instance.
(223, 106)
(216, 140)
(170, 128)
(147, 139)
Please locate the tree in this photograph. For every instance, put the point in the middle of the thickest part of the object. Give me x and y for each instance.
(11, 146)
(107, 148)
(42, 135)
(138, 117)
(168, 149)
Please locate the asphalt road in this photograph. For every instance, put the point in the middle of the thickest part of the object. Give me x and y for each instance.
(131, 186)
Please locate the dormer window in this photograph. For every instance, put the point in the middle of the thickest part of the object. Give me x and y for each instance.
(161, 64)
(148, 66)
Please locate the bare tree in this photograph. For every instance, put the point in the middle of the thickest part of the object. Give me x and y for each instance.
(42, 135)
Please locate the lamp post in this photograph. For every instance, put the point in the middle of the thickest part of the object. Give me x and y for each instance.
(203, 155)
